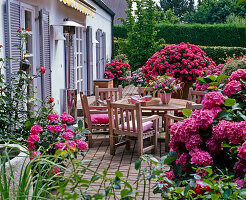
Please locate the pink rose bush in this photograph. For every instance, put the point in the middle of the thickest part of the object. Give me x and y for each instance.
(117, 70)
(54, 137)
(184, 61)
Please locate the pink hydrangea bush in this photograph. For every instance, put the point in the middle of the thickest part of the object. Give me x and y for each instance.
(216, 134)
(117, 70)
(184, 61)
(55, 135)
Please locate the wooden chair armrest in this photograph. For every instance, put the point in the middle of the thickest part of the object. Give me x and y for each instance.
(150, 118)
(98, 112)
(103, 103)
(170, 116)
(98, 108)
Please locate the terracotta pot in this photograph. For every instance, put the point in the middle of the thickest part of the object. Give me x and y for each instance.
(165, 97)
(183, 93)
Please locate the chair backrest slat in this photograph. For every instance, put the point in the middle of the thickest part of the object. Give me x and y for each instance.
(196, 96)
(104, 94)
(127, 118)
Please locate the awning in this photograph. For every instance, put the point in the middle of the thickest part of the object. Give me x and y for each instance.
(81, 6)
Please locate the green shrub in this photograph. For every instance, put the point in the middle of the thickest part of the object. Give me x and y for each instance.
(199, 34)
(234, 64)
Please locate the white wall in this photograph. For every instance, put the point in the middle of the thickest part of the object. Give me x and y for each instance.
(102, 21)
(58, 11)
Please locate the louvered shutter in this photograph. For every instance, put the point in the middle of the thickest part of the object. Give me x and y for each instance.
(44, 35)
(103, 53)
(12, 24)
(98, 54)
(89, 49)
(72, 64)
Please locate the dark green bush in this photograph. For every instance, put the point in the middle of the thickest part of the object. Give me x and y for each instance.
(198, 34)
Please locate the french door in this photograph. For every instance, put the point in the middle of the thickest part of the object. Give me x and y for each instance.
(81, 60)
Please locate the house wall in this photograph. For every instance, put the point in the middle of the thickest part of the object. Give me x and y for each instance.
(102, 21)
(58, 11)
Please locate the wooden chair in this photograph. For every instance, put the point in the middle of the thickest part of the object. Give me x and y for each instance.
(126, 120)
(196, 96)
(144, 91)
(103, 94)
(88, 111)
(190, 105)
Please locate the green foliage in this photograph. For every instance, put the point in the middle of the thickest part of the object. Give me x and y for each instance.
(206, 35)
(179, 7)
(141, 32)
(122, 57)
(214, 11)
(233, 64)
(237, 20)
(167, 17)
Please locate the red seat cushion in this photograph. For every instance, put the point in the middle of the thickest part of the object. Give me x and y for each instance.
(99, 118)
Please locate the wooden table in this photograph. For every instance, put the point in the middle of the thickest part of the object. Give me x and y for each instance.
(174, 104)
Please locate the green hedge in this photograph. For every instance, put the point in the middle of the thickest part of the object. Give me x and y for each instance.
(218, 54)
(198, 34)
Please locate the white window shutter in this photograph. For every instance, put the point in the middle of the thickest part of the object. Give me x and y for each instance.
(44, 33)
(72, 64)
(104, 52)
(98, 33)
(89, 49)
(12, 24)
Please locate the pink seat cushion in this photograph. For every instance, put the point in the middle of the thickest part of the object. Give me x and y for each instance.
(99, 118)
(146, 126)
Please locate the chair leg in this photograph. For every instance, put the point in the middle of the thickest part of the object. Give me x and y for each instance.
(128, 143)
(140, 146)
(154, 138)
(167, 135)
(90, 139)
(112, 143)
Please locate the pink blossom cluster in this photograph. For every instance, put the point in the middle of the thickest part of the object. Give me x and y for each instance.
(233, 131)
(184, 61)
(183, 160)
(213, 99)
(232, 88)
(117, 70)
(242, 151)
(201, 158)
(67, 118)
(34, 136)
(55, 128)
(35, 154)
(234, 85)
(82, 145)
(237, 75)
(201, 87)
(53, 117)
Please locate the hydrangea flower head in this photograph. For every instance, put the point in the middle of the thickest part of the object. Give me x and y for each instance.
(232, 88)
(36, 129)
(213, 99)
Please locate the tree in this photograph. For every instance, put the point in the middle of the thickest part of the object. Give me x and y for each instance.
(167, 17)
(179, 7)
(215, 11)
(140, 25)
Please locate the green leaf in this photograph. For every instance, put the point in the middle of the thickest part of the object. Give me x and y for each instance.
(98, 196)
(243, 117)
(177, 170)
(124, 192)
(211, 78)
(201, 80)
(138, 164)
(186, 190)
(80, 124)
(227, 193)
(118, 174)
(95, 178)
(215, 196)
(214, 84)
(171, 157)
(154, 160)
(221, 77)
(230, 102)
(192, 183)
(187, 112)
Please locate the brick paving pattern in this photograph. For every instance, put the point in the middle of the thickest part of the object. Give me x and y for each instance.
(124, 160)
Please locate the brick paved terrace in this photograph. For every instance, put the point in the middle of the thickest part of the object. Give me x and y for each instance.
(124, 160)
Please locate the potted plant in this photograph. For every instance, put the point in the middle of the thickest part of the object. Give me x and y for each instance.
(165, 86)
